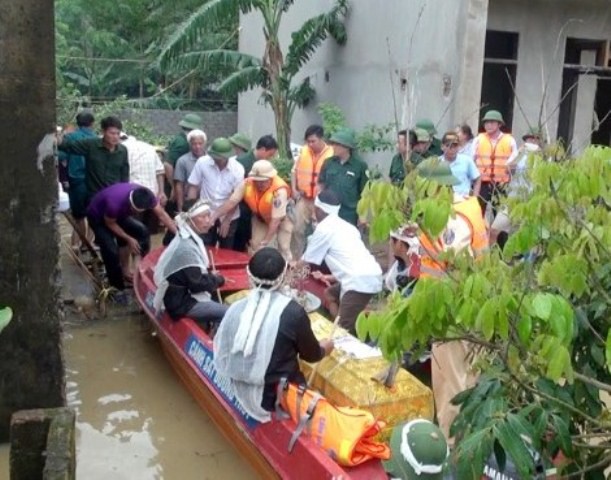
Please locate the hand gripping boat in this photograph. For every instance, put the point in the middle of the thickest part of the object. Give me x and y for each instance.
(190, 352)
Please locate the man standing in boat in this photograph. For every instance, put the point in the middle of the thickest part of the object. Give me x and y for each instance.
(355, 274)
(262, 337)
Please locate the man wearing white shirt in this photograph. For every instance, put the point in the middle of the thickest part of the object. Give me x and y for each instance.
(355, 271)
(215, 176)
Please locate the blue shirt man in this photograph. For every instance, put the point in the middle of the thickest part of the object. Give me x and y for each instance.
(463, 167)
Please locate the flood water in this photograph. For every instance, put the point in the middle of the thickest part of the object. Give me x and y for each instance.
(135, 420)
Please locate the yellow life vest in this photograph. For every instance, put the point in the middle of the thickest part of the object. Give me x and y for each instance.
(345, 433)
(492, 161)
(308, 168)
(470, 211)
(261, 203)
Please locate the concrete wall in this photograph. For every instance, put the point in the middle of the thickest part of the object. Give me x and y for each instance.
(543, 26)
(165, 122)
(403, 60)
(31, 367)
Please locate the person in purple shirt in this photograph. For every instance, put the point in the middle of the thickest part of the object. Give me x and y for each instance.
(117, 232)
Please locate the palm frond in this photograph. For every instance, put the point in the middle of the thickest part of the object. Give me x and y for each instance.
(243, 80)
(217, 59)
(205, 19)
(302, 94)
(312, 33)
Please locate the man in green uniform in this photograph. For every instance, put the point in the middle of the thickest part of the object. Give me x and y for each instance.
(265, 149)
(421, 146)
(106, 161)
(241, 143)
(397, 164)
(435, 146)
(178, 146)
(345, 173)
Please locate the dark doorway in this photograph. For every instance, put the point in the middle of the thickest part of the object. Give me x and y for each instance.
(499, 75)
(602, 106)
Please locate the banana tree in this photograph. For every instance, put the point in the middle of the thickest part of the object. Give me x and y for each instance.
(274, 72)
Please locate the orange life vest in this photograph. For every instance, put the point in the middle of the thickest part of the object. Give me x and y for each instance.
(308, 168)
(492, 161)
(345, 433)
(261, 203)
(470, 211)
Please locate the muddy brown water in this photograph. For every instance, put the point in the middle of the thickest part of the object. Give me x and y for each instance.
(135, 419)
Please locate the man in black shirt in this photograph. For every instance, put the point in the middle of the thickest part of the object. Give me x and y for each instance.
(184, 282)
(262, 337)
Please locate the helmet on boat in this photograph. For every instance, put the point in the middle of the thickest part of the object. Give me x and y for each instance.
(419, 451)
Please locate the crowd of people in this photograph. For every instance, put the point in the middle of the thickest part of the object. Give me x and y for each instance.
(227, 193)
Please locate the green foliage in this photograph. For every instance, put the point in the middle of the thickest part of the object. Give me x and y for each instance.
(538, 314)
(275, 72)
(371, 138)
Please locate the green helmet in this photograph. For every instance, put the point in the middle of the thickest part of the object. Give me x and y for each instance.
(221, 148)
(421, 135)
(533, 132)
(345, 137)
(191, 121)
(6, 314)
(241, 140)
(435, 169)
(493, 116)
(428, 125)
(418, 451)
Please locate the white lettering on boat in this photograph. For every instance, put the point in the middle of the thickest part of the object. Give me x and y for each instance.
(203, 358)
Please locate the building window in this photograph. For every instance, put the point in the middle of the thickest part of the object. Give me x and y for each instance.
(499, 76)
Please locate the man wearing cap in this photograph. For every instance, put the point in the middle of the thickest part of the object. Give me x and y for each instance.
(179, 145)
(267, 195)
(494, 153)
(111, 216)
(304, 182)
(184, 166)
(419, 451)
(345, 173)
(434, 148)
(420, 147)
(462, 166)
(502, 227)
(450, 369)
(241, 143)
(355, 274)
(265, 149)
(214, 178)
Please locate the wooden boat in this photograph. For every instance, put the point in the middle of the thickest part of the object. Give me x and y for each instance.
(190, 352)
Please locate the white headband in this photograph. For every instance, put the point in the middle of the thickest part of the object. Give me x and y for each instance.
(327, 208)
(406, 451)
(199, 208)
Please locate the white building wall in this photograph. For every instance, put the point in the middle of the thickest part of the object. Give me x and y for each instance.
(402, 60)
(543, 27)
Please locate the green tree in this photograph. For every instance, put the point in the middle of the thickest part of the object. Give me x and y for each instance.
(275, 72)
(538, 315)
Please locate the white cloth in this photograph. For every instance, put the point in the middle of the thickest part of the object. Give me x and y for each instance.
(144, 164)
(338, 243)
(216, 186)
(244, 343)
(185, 250)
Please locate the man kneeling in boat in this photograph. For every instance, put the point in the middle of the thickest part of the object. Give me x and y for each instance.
(184, 283)
(262, 336)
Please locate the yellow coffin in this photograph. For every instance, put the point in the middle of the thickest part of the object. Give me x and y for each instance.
(345, 378)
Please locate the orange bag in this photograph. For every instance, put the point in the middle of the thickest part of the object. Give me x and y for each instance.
(345, 433)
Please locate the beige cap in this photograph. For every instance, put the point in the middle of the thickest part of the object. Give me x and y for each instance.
(262, 170)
